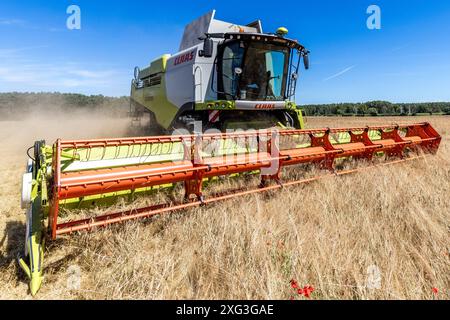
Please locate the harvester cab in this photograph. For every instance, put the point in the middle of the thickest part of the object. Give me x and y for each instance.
(225, 76)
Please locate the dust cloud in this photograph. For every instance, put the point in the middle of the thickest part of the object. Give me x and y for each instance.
(18, 135)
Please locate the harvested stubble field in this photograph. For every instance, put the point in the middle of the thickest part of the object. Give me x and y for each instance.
(333, 234)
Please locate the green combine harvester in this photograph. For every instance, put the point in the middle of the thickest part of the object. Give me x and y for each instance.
(228, 99)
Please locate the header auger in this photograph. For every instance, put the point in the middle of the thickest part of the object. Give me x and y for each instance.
(73, 174)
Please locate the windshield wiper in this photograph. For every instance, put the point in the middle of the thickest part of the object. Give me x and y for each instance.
(269, 78)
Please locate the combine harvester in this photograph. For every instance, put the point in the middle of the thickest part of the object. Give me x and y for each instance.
(225, 76)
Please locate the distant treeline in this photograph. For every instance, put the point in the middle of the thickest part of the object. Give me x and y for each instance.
(377, 108)
(13, 105)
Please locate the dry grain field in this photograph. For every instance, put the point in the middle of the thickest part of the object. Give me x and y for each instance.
(379, 234)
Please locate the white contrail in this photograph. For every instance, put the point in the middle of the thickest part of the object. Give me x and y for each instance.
(339, 73)
(10, 22)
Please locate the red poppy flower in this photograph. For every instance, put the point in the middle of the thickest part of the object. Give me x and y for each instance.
(435, 290)
(294, 284)
(307, 290)
(300, 291)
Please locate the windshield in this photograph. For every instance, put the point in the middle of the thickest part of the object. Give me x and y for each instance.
(263, 69)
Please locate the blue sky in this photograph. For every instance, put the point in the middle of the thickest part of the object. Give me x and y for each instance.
(407, 60)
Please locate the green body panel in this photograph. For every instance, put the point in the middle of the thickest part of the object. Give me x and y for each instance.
(32, 264)
(157, 66)
(299, 116)
(35, 247)
(216, 105)
(154, 97)
(294, 110)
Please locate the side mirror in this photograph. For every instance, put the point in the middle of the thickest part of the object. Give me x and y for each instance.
(208, 47)
(136, 73)
(306, 60)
